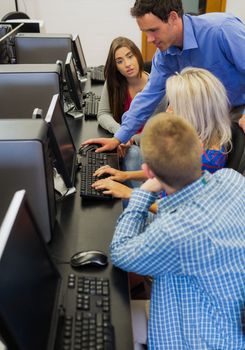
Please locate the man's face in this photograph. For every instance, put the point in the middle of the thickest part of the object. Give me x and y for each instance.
(161, 34)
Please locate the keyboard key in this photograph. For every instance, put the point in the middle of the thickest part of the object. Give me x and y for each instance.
(91, 328)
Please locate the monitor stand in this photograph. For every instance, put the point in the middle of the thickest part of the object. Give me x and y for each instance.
(75, 114)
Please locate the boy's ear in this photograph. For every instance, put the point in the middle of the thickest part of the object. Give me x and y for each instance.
(148, 172)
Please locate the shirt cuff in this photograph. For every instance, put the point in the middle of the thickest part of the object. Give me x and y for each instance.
(120, 135)
(142, 199)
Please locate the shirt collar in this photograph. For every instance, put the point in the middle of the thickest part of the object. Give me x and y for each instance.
(173, 201)
(189, 38)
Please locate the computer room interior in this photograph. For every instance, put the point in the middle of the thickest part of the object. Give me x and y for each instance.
(88, 23)
(97, 22)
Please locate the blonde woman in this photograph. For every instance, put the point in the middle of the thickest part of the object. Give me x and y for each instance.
(199, 97)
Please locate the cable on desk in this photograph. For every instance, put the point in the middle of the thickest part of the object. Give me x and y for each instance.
(58, 199)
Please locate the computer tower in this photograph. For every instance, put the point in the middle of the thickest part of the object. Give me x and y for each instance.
(24, 87)
(42, 47)
(25, 163)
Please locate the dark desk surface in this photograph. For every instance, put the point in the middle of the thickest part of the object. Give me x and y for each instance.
(84, 225)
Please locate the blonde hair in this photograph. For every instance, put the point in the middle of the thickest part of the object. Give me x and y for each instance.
(172, 149)
(199, 97)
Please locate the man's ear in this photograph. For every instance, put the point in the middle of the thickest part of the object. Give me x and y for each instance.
(148, 172)
(172, 17)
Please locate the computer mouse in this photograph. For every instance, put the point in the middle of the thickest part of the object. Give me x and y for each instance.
(89, 258)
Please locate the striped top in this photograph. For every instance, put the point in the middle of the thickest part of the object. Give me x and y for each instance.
(195, 252)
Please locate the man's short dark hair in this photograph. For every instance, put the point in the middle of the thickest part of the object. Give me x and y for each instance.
(159, 8)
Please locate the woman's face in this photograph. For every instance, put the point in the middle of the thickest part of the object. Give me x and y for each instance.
(126, 63)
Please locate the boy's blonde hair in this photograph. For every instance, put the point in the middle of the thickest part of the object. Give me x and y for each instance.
(172, 149)
(199, 97)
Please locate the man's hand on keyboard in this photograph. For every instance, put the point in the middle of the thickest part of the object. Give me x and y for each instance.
(113, 188)
(117, 175)
(107, 144)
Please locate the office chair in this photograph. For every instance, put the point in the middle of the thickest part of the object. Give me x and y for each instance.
(15, 15)
(236, 158)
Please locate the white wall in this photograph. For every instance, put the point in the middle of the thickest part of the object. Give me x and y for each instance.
(96, 21)
(236, 7)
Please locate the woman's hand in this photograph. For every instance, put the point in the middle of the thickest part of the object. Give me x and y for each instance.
(115, 189)
(116, 175)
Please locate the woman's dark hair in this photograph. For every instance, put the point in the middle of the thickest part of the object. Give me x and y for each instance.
(159, 8)
(117, 84)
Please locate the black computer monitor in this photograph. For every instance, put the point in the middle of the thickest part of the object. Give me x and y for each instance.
(25, 162)
(24, 87)
(42, 47)
(29, 26)
(73, 82)
(79, 56)
(64, 150)
(29, 280)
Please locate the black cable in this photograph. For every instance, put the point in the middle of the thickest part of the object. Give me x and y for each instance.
(16, 5)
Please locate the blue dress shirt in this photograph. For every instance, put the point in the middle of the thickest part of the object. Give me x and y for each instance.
(214, 41)
(195, 252)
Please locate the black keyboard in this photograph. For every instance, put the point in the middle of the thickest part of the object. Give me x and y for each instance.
(97, 74)
(86, 325)
(90, 162)
(91, 104)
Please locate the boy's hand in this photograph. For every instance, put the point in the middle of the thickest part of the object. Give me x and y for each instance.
(113, 188)
(152, 185)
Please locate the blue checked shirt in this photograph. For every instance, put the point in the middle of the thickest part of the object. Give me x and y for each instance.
(214, 41)
(195, 252)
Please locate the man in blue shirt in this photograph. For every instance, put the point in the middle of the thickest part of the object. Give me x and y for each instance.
(214, 41)
(195, 247)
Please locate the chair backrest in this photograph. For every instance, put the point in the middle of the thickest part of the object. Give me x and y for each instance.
(15, 15)
(147, 66)
(236, 158)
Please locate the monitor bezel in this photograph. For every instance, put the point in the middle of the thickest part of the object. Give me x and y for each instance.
(72, 81)
(18, 204)
(69, 179)
(79, 56)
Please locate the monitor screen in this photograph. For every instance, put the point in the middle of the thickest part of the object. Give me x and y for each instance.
(64, 150)
(29, 281)
(73, 82)
(79, 56)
